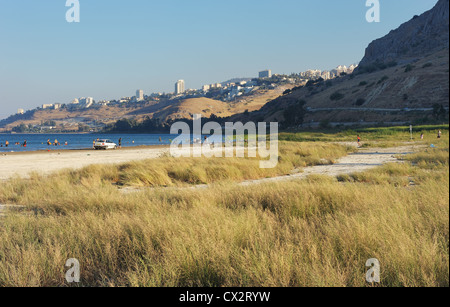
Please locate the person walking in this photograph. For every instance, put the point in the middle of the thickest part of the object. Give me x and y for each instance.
(439, 134)
(359, 141)
(6, 143)
(120, 143)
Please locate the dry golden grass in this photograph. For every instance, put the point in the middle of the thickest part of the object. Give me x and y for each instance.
(315, 232)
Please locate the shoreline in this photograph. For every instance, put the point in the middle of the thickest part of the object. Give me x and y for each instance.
(81, 150)
(22, 164)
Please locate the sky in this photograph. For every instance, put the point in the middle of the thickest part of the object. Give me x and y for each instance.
(120, 46)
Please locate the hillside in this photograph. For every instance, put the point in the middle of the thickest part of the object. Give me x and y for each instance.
(164, 110)
(391, 93)
(185, 108)
(420, 36)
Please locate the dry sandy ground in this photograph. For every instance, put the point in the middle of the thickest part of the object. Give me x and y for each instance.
(45, 163)
(48, 162)
(363, 160)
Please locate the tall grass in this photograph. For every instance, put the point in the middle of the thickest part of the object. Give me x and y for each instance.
(314, 232)
(390, 136)
(167, 171)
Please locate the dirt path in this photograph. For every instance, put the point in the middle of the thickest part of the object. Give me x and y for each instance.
(363, 160)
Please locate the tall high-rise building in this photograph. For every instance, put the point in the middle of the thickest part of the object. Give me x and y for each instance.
(139, 95)
(179, 87)
(265, 74)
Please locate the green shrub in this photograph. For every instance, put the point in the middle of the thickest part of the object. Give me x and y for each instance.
(409, 68)
(337, 96)
(360, 101)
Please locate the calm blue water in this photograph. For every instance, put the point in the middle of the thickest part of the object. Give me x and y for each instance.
(78, 141)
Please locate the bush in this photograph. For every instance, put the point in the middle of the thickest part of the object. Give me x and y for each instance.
(383, 79)
(409, 68)
(360, 101)
(337, 96)
(362, 83)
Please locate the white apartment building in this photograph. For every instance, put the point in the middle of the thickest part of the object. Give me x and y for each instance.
(139, 95)
(179, 87)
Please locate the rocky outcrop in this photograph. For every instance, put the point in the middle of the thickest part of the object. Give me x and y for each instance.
(414, 39)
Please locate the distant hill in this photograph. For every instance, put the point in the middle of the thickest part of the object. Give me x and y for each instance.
(404, 77)
(165, 110)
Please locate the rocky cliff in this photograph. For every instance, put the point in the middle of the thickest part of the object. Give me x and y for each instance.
(403, 78)
(414, 39)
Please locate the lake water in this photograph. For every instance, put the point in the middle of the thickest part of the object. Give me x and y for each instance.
(78, 141)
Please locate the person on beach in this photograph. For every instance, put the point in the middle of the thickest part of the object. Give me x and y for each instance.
(24, 143)
(120, 143)
(6, 143)
(359, 141)
(48, 142)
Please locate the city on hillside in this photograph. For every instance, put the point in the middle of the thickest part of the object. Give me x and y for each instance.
(227, 91)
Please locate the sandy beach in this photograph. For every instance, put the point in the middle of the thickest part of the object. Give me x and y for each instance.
(43, 162)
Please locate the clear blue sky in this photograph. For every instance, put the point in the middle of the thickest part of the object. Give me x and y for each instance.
(121, 46)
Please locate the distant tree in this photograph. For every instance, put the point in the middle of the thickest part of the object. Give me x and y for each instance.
(360, 101)
(439, 112)
(336, 96)
(294, 115)
(124, 125)
(20, 129)
(383, 79)
(83, 128)
(409, 68)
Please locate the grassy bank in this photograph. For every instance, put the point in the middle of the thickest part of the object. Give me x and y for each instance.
(315, 232)
(391, 135)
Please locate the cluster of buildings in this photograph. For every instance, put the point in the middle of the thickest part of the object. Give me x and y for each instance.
(314, 74)
(84, 102)
(54, 106)
(229, 91)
